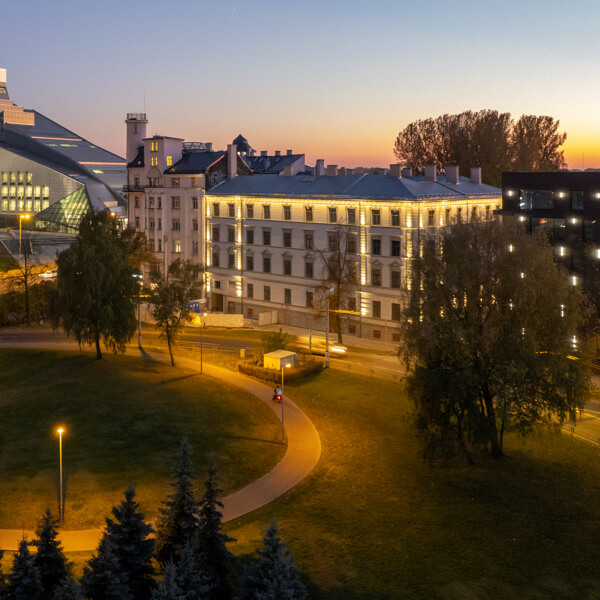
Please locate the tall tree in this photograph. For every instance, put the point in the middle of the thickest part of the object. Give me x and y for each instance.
(489, 337)
(178, 521)
(486, 138)
(170, 296)
(182, 581)
(274, 576)
(3, 582)
(49, 558)
(214, 560)
(339, 275)
(536, 144)
(24, 582)
(68, 589)
(96, 292)
(123, 564)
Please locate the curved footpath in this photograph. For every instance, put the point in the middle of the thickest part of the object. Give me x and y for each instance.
(302, 455)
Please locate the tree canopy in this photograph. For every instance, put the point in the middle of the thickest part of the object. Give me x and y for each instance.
(492, 326)
(488, 139)
(95, 288)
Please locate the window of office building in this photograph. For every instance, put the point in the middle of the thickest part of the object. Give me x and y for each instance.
(154, 161)
(308, 213)
(266, 264)
(376, 246)
(153, 146)
(175, 224)
(309, 240)
(395, 248)
(151, 224)
(332, 241)
(250, 211)
(266, 211)
(137, 222)
(287, 213)
(194, 203)
(136, 202)
(376, 275)
(231, 260)
(266, 237)
(431, 218)
(376, 309)
(287, 296)
(287, 266)
(216, 209)
(576, 200)
(216, 258)
(231, 235)
(267, 293)
(395, 214)
(287, 238)
(332, 214)
(536, 199)
(351, 243)
(175, 202)
(250, 290)
(351, 216)
(249, 262)
(159, 224)
(159, 245)
(308, 269)
(250, 236)
(194, 224)
(309, 299)
(176, 246)
(231, 210)
(396, 312)
(169, 161)
(375, 217)
(395, 279)
(216, 233)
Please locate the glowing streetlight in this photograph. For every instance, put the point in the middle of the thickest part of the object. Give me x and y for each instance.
(282, 429)
(60, 431)
(21, 217)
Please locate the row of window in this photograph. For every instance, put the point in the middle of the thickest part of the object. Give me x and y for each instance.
(152, 202)
(22, 191)
(14, 177)
(157, 224)
(157, 246)
(22, 205)
(332, 213)
(544, 199)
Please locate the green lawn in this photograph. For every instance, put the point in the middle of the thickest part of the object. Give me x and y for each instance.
(373, 521)
(124, 418)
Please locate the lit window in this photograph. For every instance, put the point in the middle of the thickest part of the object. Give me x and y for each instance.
(169, 161)
(154, 161)
(153, 146)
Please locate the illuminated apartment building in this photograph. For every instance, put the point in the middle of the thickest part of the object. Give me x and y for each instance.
(268, 237)
(48, 171)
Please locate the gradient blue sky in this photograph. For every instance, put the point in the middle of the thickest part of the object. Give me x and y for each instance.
(333, 79)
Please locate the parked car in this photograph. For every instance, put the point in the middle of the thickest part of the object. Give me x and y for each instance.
(49, 274)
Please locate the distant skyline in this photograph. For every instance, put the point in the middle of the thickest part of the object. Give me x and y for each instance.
(332, 79)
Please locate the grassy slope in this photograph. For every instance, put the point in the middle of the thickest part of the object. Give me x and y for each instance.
(124, 419)
(373, 521)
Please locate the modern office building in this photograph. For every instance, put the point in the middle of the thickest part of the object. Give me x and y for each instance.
(269, 239)
(48, 171)
(564, 204)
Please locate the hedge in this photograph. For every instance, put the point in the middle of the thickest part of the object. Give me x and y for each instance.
(292, 374)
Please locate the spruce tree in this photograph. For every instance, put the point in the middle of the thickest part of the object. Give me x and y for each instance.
(168, 588)
(67, 589)
(49, 558)
(182, 580)
(274, 576)
(178, 521)
(3, 583)
(102, 577)
(124, 556)
(24, 582)
(213, 558)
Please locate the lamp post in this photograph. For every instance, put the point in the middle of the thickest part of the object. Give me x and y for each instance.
(60, 431)
(140, 279)
(282, 428)
(21, 217)
(201, 338)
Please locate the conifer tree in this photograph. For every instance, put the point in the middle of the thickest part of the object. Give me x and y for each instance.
(178, 521)
(49, 558)
(24, 582)
(274, 576)
(68, 590)
(124, 555)
(213, 558)
(3, 583)
(182, 581)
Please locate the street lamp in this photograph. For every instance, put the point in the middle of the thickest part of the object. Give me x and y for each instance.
(60, 431)
(282, 429)
(21, 217)
(201, 338)
(140, 279)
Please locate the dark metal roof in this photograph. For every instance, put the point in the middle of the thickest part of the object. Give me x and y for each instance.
(195, 162)
(273, 165)
(242, 144)
(383, 187)
(138, 161)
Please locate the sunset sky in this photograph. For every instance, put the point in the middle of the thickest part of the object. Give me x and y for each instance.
(333, 79)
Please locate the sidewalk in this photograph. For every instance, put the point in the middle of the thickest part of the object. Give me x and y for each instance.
(302, 455)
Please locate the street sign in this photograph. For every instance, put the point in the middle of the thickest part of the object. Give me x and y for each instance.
(194, 306)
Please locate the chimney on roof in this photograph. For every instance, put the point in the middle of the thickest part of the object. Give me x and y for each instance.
(349, 171)
(476, 175)
(452, 174)
(263, 153)
(289, 153)
(332, 170)
(320, 168)
(396, 170)
(209, 146)
(288, 170)
(277, 152)
(430, 173)
(407, 172)
(231, 161)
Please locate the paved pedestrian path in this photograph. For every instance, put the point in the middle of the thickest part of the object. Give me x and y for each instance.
(302, 455)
